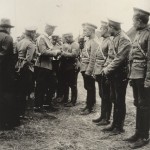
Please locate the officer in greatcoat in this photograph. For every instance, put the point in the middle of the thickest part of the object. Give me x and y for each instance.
(9, 117)
(46, 83)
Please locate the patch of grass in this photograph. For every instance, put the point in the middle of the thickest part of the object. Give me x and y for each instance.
(68, 130)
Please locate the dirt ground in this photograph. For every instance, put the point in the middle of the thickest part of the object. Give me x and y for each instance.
(68, 130)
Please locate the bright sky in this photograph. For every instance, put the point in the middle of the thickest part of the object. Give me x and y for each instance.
(68, 15)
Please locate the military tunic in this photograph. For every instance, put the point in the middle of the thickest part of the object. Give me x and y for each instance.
(101, 55)
(26, 50)
(44, 48)
(88, 55)
(121, 48)
(140, 58)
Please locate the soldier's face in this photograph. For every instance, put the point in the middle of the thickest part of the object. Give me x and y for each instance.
(63, 39)
(8, 30)
(69, 39)
(103, 30)
(81, 43)
(136, 23)
(54, 42)
(49, 30)
(33, 35)
(87, 32)
(110, 30)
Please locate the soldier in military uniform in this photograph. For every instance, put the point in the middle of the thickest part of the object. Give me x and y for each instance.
(87, 66)
(45, 84)
(24, 67)
(103, 83)
(69, 58)
(140, 77)
(117, 69)
(56, 63)
(8, 112)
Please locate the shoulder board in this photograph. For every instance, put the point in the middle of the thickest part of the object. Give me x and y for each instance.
(125, 35)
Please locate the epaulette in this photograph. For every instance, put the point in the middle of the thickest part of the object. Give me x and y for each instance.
(125, 35)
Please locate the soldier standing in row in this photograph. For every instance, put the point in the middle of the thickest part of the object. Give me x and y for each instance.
(103, 82)
(140, 77)
(87, 66)
(25, 67)
(46, 77)
(69, 62)
(117, 69)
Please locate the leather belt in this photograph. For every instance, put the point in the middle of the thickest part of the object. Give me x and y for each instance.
(138, 61)
(97, 60)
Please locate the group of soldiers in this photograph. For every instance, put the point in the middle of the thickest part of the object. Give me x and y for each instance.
(45, 67)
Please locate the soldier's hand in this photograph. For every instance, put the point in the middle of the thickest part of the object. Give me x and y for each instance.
(130, 82)
(88, 75)
(59, 52)
(63, 54)
(94, 76)
(38, 54)
(147, 84)
(103, 73)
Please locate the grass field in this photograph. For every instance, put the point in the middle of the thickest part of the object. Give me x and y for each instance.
(68, 130)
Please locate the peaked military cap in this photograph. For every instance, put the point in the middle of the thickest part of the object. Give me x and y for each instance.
(31, 28)
(89, 25)
(114, 23)
(67, 34)
(104, 23)
(51, 26)
(55, 37)
(141, 12)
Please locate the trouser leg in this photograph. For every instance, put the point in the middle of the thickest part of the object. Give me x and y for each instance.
(51, 85)
(41, 87)
(107, 97)
(60, 91)
(100, 86)
(89, 84)
(66, 87)
(141, 100)
(120, 86)
(73, 85)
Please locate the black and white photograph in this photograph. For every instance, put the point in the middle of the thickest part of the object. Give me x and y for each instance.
(74, 74)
